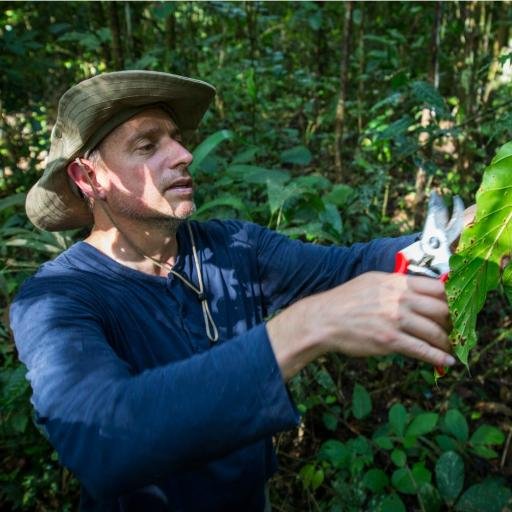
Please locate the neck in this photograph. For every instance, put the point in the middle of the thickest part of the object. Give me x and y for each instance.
(138, 244)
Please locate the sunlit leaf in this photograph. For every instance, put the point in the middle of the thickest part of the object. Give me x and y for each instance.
(475, 269)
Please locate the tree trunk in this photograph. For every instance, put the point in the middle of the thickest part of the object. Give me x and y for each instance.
(340, 107)
(117, 50)
(426, 116)
(252, 88)
(360, 78)
(170, 41)
(500, 10)
(468, 17)
(129, 32)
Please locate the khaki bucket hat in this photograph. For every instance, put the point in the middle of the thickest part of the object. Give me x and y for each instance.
(87, 113)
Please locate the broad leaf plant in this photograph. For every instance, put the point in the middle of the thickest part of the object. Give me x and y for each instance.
(481, 263)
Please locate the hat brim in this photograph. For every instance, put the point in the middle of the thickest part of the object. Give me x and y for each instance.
(85, 113)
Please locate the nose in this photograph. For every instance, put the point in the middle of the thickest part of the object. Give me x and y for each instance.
(178, 153)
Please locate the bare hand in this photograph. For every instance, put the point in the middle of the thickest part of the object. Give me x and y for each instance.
(373, 314)
(378, 314)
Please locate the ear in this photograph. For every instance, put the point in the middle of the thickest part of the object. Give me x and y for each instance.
(83, 174)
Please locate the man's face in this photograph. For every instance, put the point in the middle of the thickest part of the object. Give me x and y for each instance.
(144, 169)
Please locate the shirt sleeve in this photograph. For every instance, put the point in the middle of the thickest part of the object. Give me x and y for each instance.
(117, 430)
(291, 269)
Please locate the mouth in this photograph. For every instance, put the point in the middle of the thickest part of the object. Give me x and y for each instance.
(181, 186)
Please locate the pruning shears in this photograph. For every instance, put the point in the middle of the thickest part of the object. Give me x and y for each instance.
(430, 255)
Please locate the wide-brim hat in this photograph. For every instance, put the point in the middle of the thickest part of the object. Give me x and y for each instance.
(87, 113)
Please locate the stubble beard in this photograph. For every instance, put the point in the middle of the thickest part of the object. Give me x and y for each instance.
(146, 217)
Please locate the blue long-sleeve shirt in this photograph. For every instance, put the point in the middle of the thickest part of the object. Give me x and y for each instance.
(138, 404)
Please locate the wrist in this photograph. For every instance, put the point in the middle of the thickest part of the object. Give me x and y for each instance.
(295, 337)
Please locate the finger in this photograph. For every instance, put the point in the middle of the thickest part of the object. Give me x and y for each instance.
(411, 346)
(425, 330)
(433, 308)
(426, 286)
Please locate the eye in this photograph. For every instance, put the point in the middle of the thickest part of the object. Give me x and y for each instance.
(147, 147)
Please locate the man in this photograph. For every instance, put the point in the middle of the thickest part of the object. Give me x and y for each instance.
(154, 372)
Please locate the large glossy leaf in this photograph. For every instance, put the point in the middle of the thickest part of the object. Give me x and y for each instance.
(475, 269)
(207, 146)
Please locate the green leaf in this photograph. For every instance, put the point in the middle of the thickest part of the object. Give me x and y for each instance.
(488, 496)
(311, 476)
(402, 482)
(392, 503)
(250, 83)
(422, 424)
(410, 481)
(340, 195)
(430, 497)
(361, 402)
(13, 200)
(376, 480)
(19, 422)
(483, 244)
(278, 193)
(398, 419)
(487, 435)
(245, 156)
(335, 452)
(207, 146)
(396, 129)
(446, 443)
(331, 216)
(330, 420)
(225, 201)
(313, 181)
(484, 451)
(299, 155)
(399, 458)
(450, 476)
(506, 279)
(383, 442)
(421, 474)
(456, 425)
(257, 175)
(427, 93)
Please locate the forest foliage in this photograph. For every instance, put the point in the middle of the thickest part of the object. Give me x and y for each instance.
(332, 123)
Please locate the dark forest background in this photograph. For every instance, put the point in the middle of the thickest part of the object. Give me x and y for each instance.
(332, 123)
